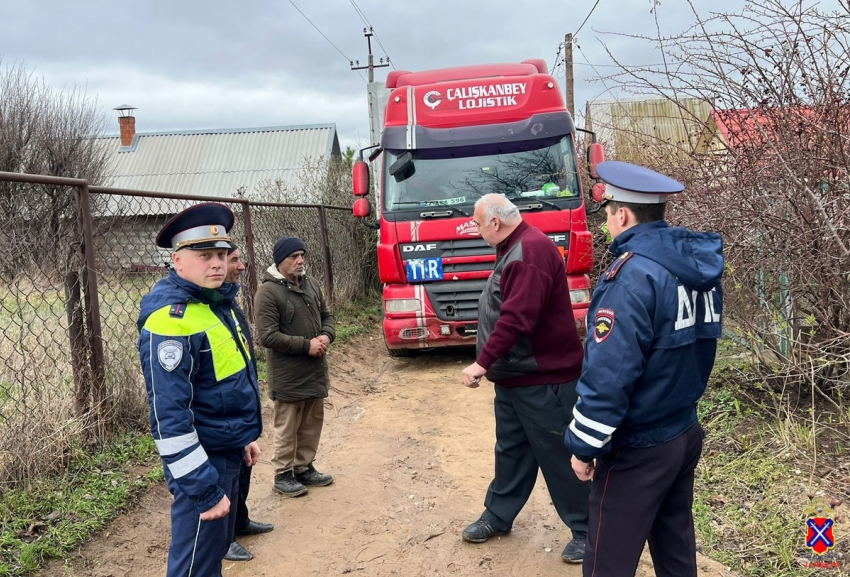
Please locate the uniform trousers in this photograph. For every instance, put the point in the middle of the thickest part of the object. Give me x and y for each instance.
(242, 518)
(530, 426)
(639, 495)
(297, 431)
(198, 547)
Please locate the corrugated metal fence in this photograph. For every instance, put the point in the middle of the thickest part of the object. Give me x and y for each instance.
(75, 261)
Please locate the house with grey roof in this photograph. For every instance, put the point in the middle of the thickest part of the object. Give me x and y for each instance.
(215, 162)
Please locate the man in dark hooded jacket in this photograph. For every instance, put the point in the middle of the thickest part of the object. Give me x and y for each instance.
(653, 326)
(296, 327)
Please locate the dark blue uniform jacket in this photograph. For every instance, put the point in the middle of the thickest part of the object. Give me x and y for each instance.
(201, 381)
(653, 326)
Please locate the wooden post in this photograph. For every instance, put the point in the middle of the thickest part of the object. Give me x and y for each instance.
(568, 61)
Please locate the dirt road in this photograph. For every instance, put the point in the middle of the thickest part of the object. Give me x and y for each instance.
(411, 450)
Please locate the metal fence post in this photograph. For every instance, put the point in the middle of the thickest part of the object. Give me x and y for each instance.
(95, 332)
(79, 349)
(329, 276)
(252, 262)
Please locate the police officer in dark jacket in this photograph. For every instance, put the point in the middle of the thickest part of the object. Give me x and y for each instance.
(202, 388)
(653, 326)
(244, 524)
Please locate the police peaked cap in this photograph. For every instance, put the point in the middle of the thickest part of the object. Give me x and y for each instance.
(203, 226)
(636, 184)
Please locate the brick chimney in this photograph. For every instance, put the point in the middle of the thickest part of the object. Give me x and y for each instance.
(126, 124)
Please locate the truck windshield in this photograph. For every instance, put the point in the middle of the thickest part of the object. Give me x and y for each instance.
(443, 177)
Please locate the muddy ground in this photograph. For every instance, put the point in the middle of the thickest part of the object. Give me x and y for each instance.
(411, 450)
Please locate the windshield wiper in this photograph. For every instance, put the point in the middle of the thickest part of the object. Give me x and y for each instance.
(538, 203)
(435, 205)
(442, 213)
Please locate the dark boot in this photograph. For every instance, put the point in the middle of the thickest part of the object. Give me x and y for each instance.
(285, 484)
(254, 528)
(238, 553)
(481, 531)
(574, 551)
(314, 478)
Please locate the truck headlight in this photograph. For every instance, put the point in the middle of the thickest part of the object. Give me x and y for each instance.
(403, 305)
(580, 296)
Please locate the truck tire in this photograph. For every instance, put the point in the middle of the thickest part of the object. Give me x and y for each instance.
(399, 353)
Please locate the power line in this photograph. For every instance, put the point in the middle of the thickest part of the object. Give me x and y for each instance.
(360, 13)
(385, 50)
(618, 65)
(586, 19)
(375, 34)
(557, 59)
(325, 37)
(601, 79)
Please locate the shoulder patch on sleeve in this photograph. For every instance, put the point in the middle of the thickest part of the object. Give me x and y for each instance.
(603, 324)
(170, 354)
(178, 310)
(615, 267)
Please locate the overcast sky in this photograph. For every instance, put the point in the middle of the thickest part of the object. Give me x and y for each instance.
(192, 64)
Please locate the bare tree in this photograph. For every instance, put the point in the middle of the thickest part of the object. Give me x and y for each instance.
(50, 133)
(352, 246)
(772, 174)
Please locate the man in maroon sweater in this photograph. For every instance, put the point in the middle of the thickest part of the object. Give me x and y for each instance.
(529, 347)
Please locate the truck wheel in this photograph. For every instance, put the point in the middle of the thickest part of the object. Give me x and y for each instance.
(398, 353)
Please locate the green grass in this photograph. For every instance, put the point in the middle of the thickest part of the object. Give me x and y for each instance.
(758, 476)
(54, 515)
(357, 317)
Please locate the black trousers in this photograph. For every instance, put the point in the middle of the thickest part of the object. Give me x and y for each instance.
(242, 503)
(639, 495)
(530, 426)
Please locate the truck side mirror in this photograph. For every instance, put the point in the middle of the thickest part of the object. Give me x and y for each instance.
(403, 168)
(362, 208)
(360, 178)
(598, 192)
(595, 155)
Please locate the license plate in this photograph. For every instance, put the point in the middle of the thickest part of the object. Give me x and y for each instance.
(424, 269)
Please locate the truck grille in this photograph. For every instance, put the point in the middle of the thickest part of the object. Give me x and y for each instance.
(456, 300)
(465, 247)
(449, 249)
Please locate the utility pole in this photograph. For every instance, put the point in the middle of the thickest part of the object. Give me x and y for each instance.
(568, 63)
(374, 128)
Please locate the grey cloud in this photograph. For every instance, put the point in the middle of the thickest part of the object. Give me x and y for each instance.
(192, 64)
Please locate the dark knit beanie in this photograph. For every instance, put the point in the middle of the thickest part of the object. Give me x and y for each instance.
(285, 246)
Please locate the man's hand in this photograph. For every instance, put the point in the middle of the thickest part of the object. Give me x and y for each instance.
(472, 374)
(317, 348)
(325, 339)
(221, 509)
(252, 454)
(584, 471)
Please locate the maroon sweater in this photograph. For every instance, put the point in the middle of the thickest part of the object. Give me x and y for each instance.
(526, 329)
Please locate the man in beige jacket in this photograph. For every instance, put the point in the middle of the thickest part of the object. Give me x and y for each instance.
(296, 328)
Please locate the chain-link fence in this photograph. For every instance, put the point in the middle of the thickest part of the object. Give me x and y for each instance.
(74, 265)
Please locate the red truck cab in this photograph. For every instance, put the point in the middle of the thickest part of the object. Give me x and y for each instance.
(449, 137)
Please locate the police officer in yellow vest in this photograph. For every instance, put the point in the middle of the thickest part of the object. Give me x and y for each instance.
(202, 388)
